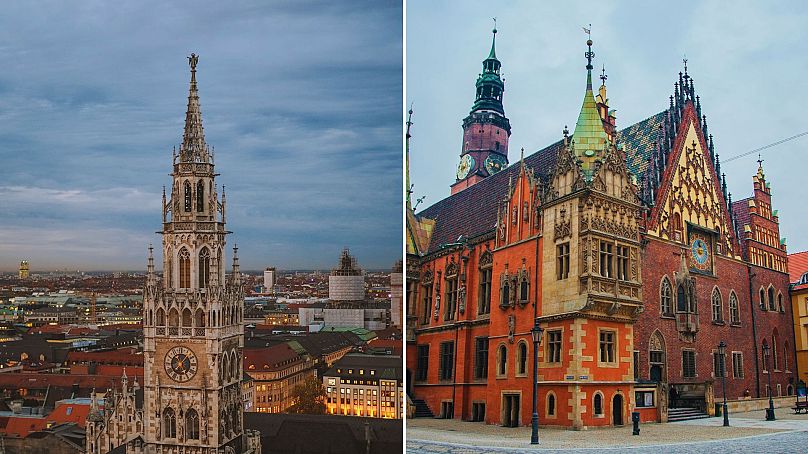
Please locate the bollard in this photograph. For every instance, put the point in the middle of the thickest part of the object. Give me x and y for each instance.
(635, 419)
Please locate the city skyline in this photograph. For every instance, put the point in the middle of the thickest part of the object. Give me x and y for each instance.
(746, 90)
(301, 149)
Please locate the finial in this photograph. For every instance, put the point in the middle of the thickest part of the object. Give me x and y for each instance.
(566, 131)
(684, 60)
(522, 155)
(193, 60)
(409, 121)
(760, 161)
(495, 26)
(603, 75)
(589, 54)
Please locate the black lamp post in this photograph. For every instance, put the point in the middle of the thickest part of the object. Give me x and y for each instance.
(722, 348)
(770, 410)
(536, 332)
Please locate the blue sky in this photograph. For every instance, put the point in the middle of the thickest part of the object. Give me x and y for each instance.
(302, 102)
(745, 58)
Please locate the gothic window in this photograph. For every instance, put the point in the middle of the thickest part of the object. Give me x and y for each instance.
(597, 404)
(785, 356)
(775, 362)
(563, 261)
(551, 404)
(186, 318)
(161, 317)
(606, 255)
(200, 196)
(167, 271)
(502, 360)
(771, 299)
(192, 424)
(656, 357)
(718, 315)
(734, 311)
(524, 288)
(762, 299)
(666, 297)
(780, 302)
(185, 268)
(486, 273)
(173, 318)
(204, 268)
(521, 359)
(427, 300)
(187, 189)
(200, 318)
(169, 423)
(506, 293)
(451, 292)
(681, 299)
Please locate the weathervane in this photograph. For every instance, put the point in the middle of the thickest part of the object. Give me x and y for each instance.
(589, 54)
(603, 75)
(760, 161)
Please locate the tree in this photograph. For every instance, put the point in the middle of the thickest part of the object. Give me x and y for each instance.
(309, 397)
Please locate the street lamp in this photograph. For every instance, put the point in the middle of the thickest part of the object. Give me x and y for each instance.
(536, 332)
(770, 410)
(722, 349)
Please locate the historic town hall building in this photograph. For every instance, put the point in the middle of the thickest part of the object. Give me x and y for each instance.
(626, 247)
(190, 400)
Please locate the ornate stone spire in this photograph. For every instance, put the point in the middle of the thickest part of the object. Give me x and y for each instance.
(193, 147)
(236, 271)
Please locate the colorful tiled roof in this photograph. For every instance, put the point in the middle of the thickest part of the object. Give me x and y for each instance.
(473, 211)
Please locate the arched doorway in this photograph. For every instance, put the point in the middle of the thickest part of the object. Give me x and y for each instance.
(617, 410)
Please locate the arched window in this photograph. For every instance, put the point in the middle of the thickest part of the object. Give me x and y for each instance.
(734, 311)
(506, 294)
(200, 318)
(200, 196)
(597, 404)
(665, 297)
(718, 313)
(173, 318)
(167, 271)
(169, 423)
(551, 404)
(161, 317)
(185, 268)
(192, 424)
(521, 360)
(785, 356)
(234, 364)
(772, 307)
(762, 299)
(780, 302)
(502, 360)
(775, 363)
(187, 189)
(225, 367)
(204, 268)
(681, 300)
(524, 290)
(186, 318)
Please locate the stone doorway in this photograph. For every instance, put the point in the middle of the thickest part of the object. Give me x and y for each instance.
(510, 410)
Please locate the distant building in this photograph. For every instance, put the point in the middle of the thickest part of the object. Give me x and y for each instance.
(269, 279)
(365, 385)
(276, 372)
(24, 269)
(397, 294)
(346, 284)
(317, 318)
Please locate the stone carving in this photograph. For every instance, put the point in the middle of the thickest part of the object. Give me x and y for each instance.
(511, 327)
(461, 299)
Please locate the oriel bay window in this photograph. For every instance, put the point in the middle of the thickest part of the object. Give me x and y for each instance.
(623, 263)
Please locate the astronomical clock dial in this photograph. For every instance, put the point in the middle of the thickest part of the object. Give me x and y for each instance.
(700, 253)
(494, 163)
(180, 364)
(466, 164)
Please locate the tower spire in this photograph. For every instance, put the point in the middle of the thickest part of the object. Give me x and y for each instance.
(193, 148)
(590, 137)
(407, 157)
(150, 268)
(493, 54)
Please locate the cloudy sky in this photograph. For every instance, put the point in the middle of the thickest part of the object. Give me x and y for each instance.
(745, 57)
(302, 102)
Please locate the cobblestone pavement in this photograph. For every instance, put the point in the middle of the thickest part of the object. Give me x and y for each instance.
(748, 432)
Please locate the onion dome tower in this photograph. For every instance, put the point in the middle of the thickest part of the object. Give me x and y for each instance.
(486, 129)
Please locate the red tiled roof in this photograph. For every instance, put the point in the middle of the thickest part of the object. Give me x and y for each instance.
(118, 357)
(272, 358)
(17, 380)
(78, 413)
(797, 265)
(21, 426)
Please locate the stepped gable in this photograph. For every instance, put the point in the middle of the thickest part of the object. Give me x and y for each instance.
(473, 211)
(740, 209)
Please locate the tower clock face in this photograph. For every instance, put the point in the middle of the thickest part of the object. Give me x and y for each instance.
(700, 253)
(494, 163)
(180, 364)
(466, 164)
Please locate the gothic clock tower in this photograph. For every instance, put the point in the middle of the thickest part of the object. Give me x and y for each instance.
(193, 324)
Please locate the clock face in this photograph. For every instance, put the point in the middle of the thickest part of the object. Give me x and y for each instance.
(494, 163)
(180, 364)
(701, 253)
(466, 164)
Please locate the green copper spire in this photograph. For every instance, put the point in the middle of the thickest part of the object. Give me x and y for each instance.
(493, 54)
(590, 138)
